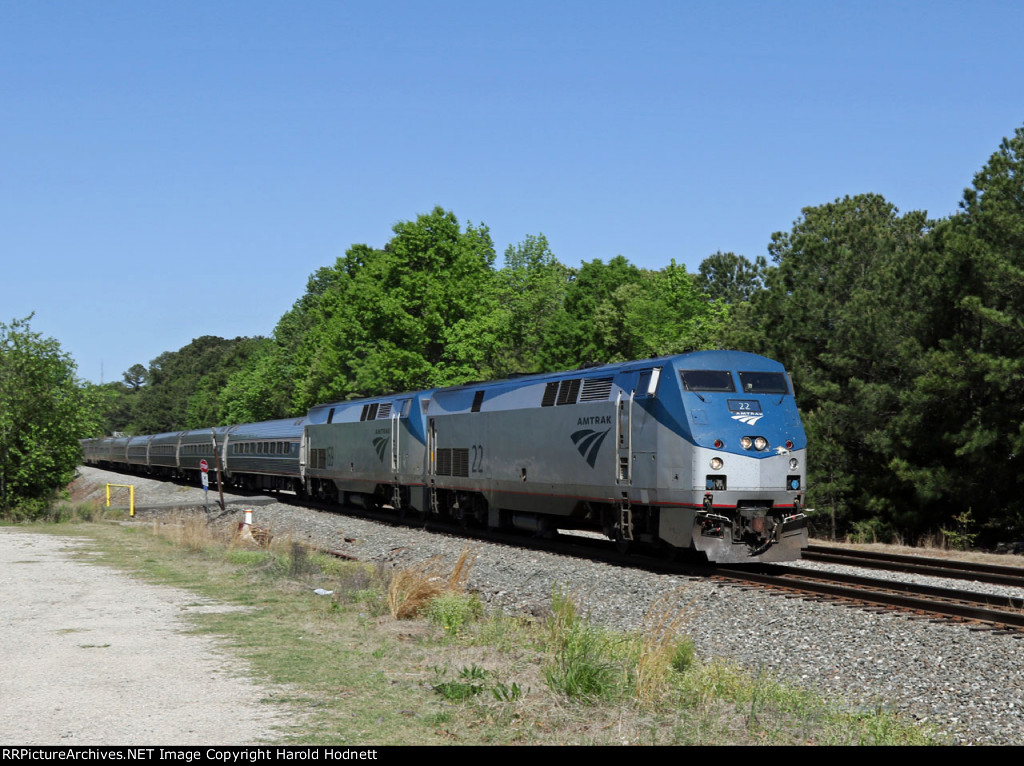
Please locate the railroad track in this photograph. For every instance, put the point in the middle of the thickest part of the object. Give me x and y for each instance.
(988, 611)
(991, 612)
(962, 570)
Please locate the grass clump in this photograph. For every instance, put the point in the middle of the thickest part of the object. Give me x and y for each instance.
(413, 588)
(662, 651)
(582, 662)
(590, 664)
(451, 610)
(191, 531)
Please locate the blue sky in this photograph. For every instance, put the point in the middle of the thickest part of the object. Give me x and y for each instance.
(171, 170)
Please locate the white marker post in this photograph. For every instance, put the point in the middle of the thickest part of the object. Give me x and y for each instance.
(205, 468)
(245, 528)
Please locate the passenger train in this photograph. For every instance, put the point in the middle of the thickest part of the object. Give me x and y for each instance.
(701, 452)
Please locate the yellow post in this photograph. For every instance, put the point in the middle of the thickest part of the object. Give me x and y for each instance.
(131, 496)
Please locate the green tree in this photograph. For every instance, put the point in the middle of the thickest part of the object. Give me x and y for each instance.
(731, 278)
(43, 414)
(661, 313)
(135, 376)
(412, 315)
(183, 387)
(532, 287)
(847, 311)
(973, 376)
(572, 338)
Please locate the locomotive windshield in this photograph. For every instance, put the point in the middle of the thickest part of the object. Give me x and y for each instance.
(764, 383)
(707, 380)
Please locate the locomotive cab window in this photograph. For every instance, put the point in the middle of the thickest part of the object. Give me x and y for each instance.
(764, 383)
(707, 380)
(648, 383)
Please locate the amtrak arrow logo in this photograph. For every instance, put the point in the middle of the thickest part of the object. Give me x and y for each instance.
(380, 444)
(748, 419)
(589, 442)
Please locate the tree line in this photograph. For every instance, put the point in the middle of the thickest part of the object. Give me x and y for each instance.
(904, 336)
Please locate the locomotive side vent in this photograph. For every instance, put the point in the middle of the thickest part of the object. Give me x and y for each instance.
(444, 462)
(384, 411)
(568, 391)
(550, 394)
(596, 389)
(460, 461)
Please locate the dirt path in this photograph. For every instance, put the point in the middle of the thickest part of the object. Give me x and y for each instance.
(89, 656)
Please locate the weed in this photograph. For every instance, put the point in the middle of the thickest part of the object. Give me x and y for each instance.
(190, 531)
(662, 650)
(64, 512)
(473, 673)
(470, 684)
(581, 664)
(246, 558)
(451, 610)
(504, 693)
(870, 531)
(962, 538)
(506, 633)
(300, 564)
(411, 589)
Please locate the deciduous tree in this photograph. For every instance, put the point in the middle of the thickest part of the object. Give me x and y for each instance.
(43, 414)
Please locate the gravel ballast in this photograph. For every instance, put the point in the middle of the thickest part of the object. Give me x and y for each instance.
(968, 684)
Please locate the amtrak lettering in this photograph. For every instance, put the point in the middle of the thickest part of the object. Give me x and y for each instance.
(595, 420)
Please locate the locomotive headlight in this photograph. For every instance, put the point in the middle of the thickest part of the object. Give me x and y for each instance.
(717, 463)
(746, 442)
(760, 443)
(793, 463)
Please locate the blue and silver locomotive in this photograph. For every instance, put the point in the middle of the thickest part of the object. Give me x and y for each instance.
(700, 452)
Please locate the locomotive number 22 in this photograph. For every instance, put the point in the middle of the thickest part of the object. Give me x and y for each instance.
(477, 466)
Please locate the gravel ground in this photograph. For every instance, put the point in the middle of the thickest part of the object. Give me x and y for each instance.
(93, 657)
(968, 684)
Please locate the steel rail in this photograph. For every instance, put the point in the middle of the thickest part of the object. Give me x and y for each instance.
(990, 573)
(906, 596)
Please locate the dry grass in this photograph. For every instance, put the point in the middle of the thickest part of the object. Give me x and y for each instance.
(663, 647)
(191, 531)
(412, 588)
